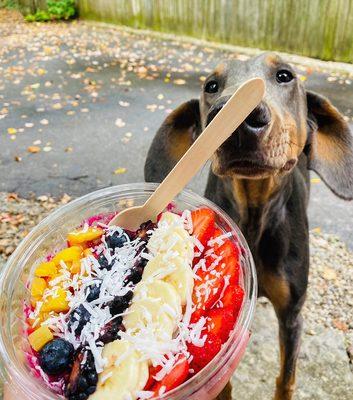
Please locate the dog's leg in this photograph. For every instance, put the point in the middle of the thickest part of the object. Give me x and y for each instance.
(290, 329)
(226, 393)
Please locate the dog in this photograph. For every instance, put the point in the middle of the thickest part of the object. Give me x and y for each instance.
(260, 177)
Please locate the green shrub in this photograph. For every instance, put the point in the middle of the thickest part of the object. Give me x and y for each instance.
(11, 4)
(57, 9)
(61, 9)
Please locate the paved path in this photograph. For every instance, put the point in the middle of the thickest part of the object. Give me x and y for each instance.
(90, 99)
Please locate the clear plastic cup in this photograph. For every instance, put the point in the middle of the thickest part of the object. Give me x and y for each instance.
(51, 233)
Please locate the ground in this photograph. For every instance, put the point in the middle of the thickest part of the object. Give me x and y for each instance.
(79, 105)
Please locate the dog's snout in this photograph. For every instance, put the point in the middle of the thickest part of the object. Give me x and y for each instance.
(259, 118)
(216, 108)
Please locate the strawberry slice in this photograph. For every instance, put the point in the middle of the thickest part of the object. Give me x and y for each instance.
(203, 220)
(176, 377)
(152, 371)
(203, 355)
(206, 292)
(220, 321)
(233, 299)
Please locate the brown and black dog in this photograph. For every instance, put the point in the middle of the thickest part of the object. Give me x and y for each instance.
(260, 177)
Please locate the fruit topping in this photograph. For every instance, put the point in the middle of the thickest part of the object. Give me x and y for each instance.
(93, 290)
(40, 337)
(116, 239)
(56, 357)
(112, 330)
(203, 355)
(78, 318)
(83, 378)
(174, 378)
(103, 262)
(144, 310)
(203, 220)
(46, 269)
(84, 235)
(120, 303)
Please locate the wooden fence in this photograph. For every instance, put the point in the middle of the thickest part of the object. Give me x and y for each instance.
(316, 28)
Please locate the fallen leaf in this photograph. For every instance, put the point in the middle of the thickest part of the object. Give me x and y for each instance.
(179, 81)
(11, 131)
(315, 180)
(33, 149)
(120, 123)
(120, 171)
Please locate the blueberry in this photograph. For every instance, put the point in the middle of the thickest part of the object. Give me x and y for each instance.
(83, 378)
(82, 384)
(120, 303)
(81, 315)
(117, 239)
(93, 291)
(92, 377)
(135, 275)
(91, 390)
(144, 228)
(112, 330)
(103, 262)
(56, 357)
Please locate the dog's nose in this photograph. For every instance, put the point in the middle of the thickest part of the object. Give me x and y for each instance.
(258, 120)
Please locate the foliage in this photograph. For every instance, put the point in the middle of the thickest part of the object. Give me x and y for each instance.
(10, 4)
(61, 9)
(57, 9)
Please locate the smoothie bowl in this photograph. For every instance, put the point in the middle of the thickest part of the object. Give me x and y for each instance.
(91, 311)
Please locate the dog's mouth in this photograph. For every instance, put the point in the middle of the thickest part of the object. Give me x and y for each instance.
(249, 168)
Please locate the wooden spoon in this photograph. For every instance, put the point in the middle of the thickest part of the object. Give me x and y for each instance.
(237, 108)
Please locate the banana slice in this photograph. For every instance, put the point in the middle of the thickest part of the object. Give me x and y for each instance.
(162, 291)
(177, 272)
(171, 236)
(148, 314)
(124, 373)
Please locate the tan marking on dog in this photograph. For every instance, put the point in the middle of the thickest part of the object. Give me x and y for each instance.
(220, 69)
(284, 390)
(179, 143)
(328, 148)
(277, 290)
(271, 59)
(253, 192)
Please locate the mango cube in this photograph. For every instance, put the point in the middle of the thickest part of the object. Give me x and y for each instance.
(37, 287)
(87, 252)
(57, 303)
(75, 267)
(40, 337)
(78, 237)
(69, 254)
(46, 269)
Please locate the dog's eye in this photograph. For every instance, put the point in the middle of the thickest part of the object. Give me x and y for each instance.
(284, 76)
(211, 87)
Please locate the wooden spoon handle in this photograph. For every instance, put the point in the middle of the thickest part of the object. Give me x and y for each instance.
(237, 108)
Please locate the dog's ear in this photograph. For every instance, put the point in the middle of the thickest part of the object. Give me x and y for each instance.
(330, 146)
(172, 140)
